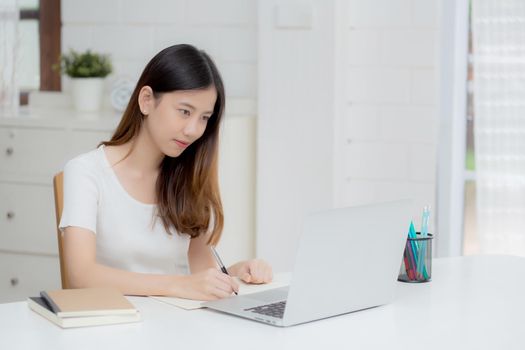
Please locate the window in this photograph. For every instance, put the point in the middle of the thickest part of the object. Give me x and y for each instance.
(39, 46)
(470, 244)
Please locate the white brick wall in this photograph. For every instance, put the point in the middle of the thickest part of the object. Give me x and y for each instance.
(361, 122)
(95, 11)
(388, 138)
(151, 11)
(379, 13)
(132, 31)
(295, 125)
(379, 84)
(425, 13)
(377, 161)
(364, 45)
(424, 87)
(393, 121)
(225, 12)
(408, 47)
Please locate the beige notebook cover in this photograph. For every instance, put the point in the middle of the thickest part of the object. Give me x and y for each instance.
(279, 280)
(84, 307)
(88, 302)
(38, 305)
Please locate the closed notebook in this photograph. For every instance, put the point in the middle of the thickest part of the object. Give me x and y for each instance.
(84, 307)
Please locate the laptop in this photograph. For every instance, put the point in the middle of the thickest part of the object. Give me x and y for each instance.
(348, 259)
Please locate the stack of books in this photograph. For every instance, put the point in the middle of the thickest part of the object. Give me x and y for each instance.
(84, 307)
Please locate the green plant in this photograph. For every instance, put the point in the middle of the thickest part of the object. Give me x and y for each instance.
(84, 65)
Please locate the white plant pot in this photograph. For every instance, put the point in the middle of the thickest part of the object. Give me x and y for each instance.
(87, 94)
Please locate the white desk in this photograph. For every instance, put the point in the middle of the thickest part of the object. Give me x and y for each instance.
(472, 303)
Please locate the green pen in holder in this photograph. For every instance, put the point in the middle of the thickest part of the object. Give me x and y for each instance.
(417, 259)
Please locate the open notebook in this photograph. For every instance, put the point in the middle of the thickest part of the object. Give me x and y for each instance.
(279, 280)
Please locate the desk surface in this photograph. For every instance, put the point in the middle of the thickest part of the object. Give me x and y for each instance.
(472, 303)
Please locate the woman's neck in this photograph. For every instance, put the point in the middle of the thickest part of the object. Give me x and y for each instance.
(145, 157)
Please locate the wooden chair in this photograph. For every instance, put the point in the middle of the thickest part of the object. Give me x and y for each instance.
(58, 186)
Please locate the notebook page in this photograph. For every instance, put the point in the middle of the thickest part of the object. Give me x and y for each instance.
(279, 280)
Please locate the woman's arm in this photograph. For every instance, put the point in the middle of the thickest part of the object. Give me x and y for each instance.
(83, 271)
(200, 257)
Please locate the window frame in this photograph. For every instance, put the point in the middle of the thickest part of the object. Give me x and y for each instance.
(49, 36)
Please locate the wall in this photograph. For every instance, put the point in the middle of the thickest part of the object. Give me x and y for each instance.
(386, 139)
(347, 111)
(295, 122)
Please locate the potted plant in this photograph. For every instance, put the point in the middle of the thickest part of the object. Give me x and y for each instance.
(87, 71)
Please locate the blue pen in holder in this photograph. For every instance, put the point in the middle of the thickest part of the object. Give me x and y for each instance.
(417, 259)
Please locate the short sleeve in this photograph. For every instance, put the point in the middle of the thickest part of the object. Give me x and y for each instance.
(81, 195)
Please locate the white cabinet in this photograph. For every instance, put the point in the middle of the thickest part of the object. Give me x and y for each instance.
(23, 148)
(32, 150)
(28, 218)
(23, 275)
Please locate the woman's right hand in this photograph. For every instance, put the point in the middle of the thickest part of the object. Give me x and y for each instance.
(210, 284)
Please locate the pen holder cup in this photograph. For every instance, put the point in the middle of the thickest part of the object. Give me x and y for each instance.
(417, 259)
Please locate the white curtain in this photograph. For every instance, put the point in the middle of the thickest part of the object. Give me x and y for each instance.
(9, 16)
(498, 29)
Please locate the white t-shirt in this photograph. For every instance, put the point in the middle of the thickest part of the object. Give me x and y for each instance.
(127, 235)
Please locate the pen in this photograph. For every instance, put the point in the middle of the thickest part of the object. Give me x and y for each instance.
(421, 270)
(424, 221)
(219, 262)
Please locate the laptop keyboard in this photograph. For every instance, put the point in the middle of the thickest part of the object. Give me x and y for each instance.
(275, 309)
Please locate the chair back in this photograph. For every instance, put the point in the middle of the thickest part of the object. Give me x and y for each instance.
(58, 187)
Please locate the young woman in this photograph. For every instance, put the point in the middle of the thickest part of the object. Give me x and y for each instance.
(141, 210)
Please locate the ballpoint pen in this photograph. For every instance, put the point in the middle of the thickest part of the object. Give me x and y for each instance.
(219, 262)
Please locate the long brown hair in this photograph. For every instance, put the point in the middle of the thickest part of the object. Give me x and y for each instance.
(187, 187)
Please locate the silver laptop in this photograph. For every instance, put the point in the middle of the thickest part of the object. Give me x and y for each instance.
(348, 259)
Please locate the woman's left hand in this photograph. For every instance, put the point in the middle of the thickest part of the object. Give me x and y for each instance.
(254, 271)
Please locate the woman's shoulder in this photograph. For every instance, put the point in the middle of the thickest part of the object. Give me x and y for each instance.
(90, 161)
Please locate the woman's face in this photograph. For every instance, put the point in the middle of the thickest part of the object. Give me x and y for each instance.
(177, 119)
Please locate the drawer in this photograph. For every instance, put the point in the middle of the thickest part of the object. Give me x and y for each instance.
(24, 275)
(27, 218)
(39, 152)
